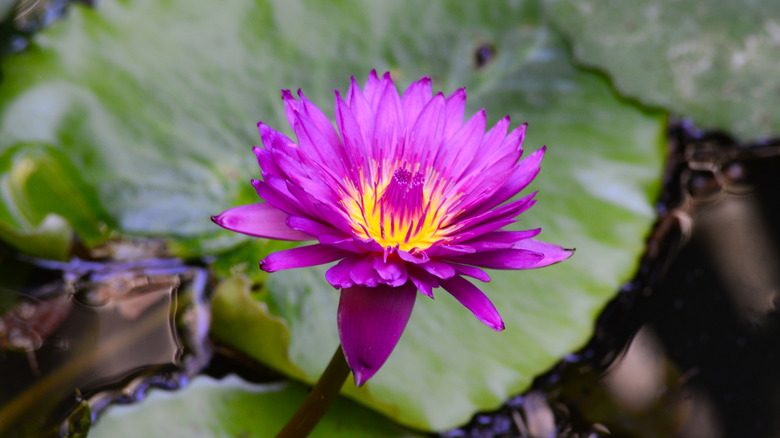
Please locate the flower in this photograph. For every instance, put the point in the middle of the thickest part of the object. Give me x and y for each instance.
(405, 196)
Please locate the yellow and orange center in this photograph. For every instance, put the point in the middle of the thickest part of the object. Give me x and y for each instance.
(403, 208)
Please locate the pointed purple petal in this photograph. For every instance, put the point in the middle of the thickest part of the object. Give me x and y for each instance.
(304, 256)
(259, 220)
(312, 227)
(524, 173)
(371, 321)
(427, 132)
(361, 111)
(454, 111)
(552, 253)
(355, 136)
(388, 118)
(291, 106)
(506, 211)
(439, 269)
(478, 231)
(326, 162)
(467, 141)
(510, 236)
(472, 271)
(372, 87)
(369, 245)
(491, 141)
(424, 281)
(474, 300)
(317, 208)
(449, 250)
(347, 244)
(414, 99)
(265, 161)
(502, 259)
(322, 123)
(274, 191)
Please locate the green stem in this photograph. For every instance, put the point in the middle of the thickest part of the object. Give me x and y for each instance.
(319, 399)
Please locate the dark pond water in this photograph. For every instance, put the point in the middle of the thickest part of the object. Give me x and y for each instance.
(110, 329)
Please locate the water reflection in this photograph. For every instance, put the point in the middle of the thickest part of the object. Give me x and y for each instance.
(92, 333)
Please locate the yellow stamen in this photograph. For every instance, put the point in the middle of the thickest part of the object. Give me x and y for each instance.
(392, 219)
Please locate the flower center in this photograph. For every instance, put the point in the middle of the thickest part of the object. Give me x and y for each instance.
(401, 209)
(403, 197)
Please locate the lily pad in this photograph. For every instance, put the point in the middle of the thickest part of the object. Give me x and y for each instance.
(34, 180)
(714, 61)
(232, 407)
(155, 102)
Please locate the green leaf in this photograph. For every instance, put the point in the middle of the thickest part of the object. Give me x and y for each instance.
(232, 407)
(156, 102)
(714, 61)
(44, 200)
(241, 314)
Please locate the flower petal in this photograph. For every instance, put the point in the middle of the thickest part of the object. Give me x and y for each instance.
(393, 271)
(414, 99)
(477, 232)
(353, 131)
(502, 259)
(291, 106)
(439, 269)
(417, 257)
(552, 253)
(426, 135)
(474, 300)
(472, 271)
(371, 321)
(484, 220)
(524, 173)
(304, 256)
(259, 220)
(313, 228)
(510, 236)
(274, 191)
(388, 120)
(347, 244)
(467, 141)
(424, 281)
(364, 274)
(338, 275)
(324, 126)
(372, 88)
(454, 111)
(361, 111)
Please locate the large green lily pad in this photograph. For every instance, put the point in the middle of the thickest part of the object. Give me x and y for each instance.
(156, 103)
(714, 61)
(232, 407)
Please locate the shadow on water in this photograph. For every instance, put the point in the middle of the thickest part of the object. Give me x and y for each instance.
(77, 336)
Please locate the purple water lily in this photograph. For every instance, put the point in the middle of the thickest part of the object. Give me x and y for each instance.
(405, 196)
